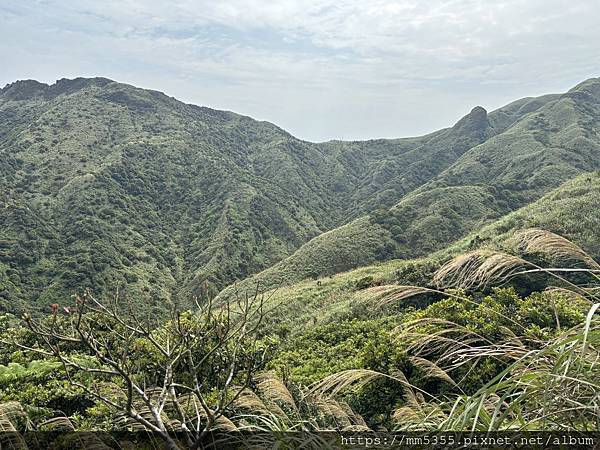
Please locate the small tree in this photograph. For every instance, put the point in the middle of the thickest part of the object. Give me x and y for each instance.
(177, 379)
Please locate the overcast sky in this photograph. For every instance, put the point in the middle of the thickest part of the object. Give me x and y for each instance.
(323, 69)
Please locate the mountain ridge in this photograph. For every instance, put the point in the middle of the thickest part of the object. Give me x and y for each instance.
(523, 172)
(107, 185)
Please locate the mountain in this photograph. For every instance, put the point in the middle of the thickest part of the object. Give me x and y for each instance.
(570, 210)
(109, 186)
(551, 140)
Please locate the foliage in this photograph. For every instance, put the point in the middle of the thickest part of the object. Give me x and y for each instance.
(153, 204)
(329, 348)
(105, 186)
(496, 361)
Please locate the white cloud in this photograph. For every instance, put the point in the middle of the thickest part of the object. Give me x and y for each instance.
(322, 68)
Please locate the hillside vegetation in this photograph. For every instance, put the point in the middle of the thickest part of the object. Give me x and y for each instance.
(448, 282)
(108, 186)
(549, 145)
(570, 210)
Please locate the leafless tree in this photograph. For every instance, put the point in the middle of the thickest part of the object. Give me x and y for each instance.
(176, 380)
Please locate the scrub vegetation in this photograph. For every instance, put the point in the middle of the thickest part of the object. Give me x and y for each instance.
(177, 270)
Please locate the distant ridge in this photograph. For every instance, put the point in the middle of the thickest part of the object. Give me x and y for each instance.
(555, 138)
(105, 185)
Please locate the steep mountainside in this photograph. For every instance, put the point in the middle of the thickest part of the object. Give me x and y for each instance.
(108, 186)
(571, 210)
(558, 138)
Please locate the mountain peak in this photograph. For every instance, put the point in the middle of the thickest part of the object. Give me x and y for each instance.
(475, 121)
(478, 113)
(26, 89)
(23, 89)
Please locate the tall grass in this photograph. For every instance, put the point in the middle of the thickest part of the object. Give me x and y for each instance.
(555, 387)
(551, 384)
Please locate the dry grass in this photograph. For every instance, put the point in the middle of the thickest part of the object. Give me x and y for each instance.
(429, 370)
(534, 240)
(479, 269)
(428, 337)
(393, 293)
(574, 296)
(348, 379)
(274, 391)
(12, 413)
(333, 410)
(58, 424)
(248, 400)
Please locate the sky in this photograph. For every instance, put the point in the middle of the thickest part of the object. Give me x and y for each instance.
(322, 69)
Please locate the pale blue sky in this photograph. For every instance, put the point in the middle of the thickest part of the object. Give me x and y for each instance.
(323, 69)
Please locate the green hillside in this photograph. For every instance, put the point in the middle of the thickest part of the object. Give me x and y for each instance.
(570, 211)
(112, 187)
(132, 193)
(556, 139)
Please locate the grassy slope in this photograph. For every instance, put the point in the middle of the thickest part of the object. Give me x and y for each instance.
(107, 185)
(555, 139)
(569, 210)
